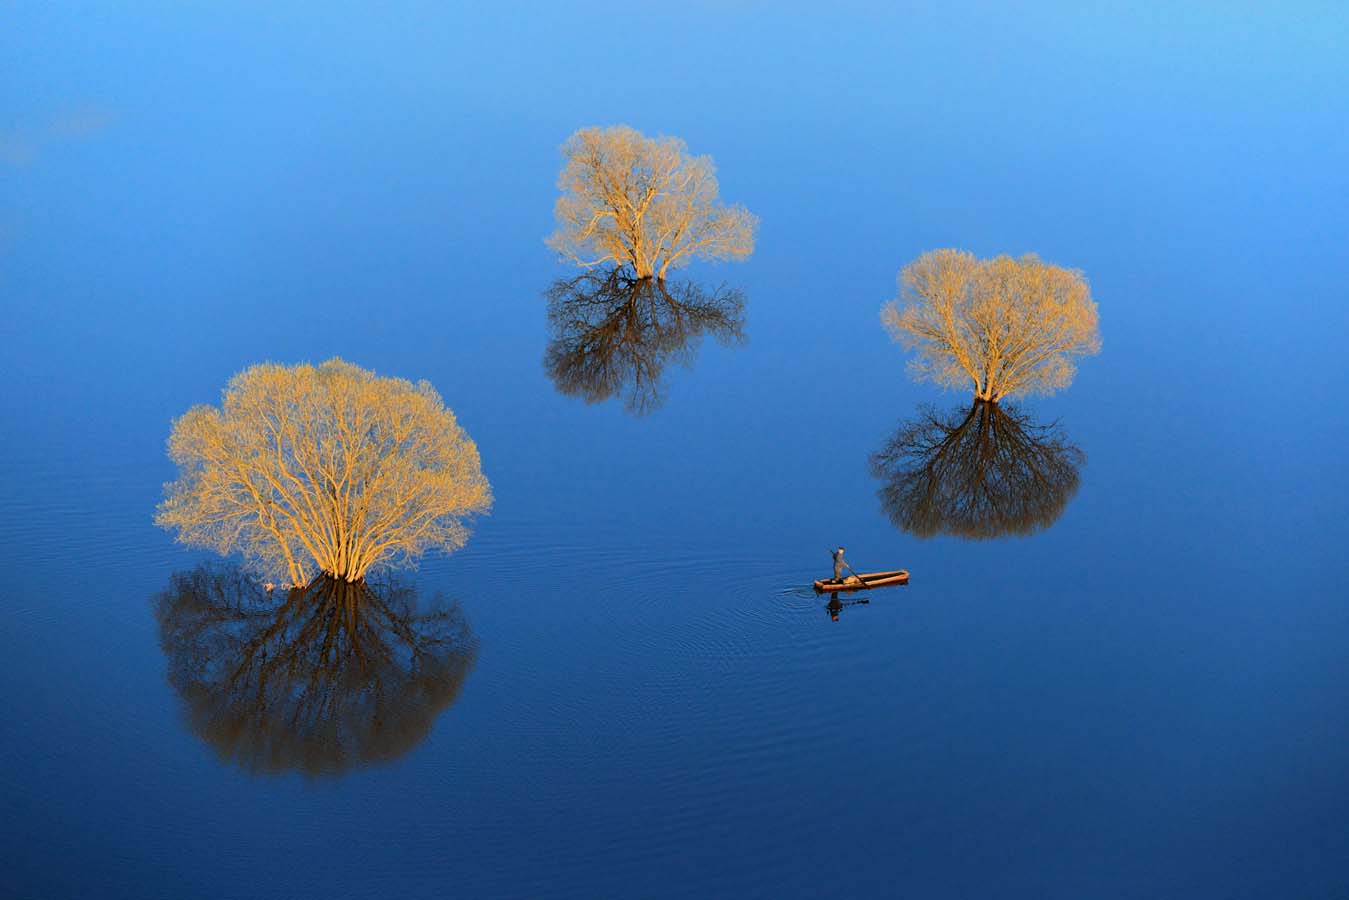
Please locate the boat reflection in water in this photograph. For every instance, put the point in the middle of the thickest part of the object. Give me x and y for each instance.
(613, 333)
(318, 679)
(988, 471)
(835, 605)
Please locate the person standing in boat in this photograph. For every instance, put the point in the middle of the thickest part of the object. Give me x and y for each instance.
(839, 564)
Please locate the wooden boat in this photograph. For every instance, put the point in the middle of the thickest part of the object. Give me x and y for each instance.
(868, 580)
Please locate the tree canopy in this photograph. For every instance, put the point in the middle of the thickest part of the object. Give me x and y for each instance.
(983, 472)
(613, 333)
(1003, 325)
(328, 468)
(644, 202)
(317, 679)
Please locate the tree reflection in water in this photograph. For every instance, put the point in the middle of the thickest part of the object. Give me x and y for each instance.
(317, 679)
(613, 333)
(985, 472)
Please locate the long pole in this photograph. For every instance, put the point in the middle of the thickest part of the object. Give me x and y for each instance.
(855, 575)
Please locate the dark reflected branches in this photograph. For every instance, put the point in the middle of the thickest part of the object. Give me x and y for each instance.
(318, 679)
(986, 471)
(612, 333)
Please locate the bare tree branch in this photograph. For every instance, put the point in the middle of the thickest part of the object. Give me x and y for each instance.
(643, 202)
(1005, 326)
(354, 470)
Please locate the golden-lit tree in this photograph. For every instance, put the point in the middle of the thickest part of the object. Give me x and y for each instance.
(316, 679)
(329, 468)
(614, 333)
(1003, 325)
(983, 472)
(643, 202)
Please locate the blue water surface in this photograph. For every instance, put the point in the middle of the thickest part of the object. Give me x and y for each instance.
(1145, 697)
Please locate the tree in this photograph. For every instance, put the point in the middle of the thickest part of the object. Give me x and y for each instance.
(985, 472)
(317, 679)
(643, 202)
(1003, 325)
(615, 333)
(328, 468)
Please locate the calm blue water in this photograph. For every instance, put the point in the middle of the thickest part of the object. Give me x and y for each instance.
(1145, 696)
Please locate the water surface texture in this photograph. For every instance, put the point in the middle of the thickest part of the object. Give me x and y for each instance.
(1121, 668)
